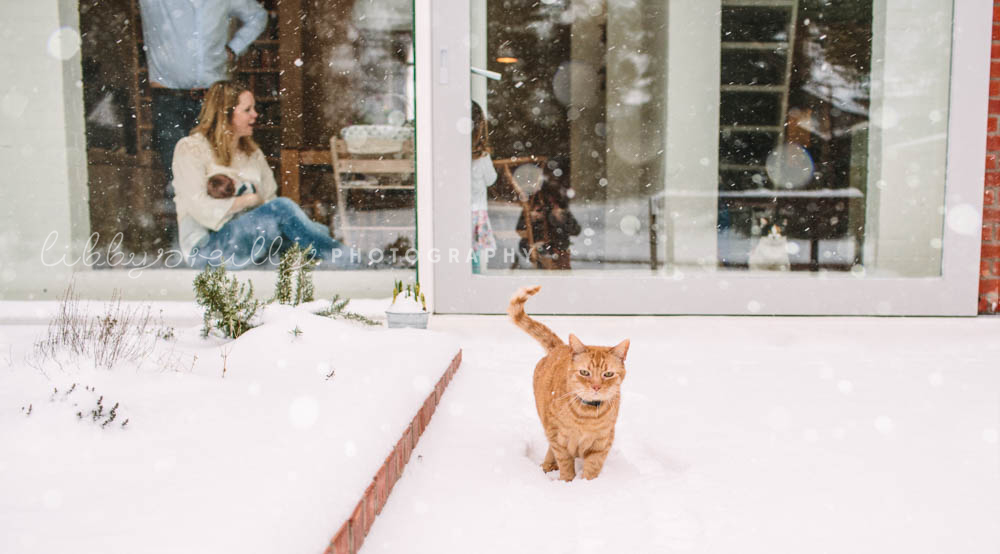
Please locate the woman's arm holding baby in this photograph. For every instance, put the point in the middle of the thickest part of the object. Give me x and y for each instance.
(192, 157)
(245, 202)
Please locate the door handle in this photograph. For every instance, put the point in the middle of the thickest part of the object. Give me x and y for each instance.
(443, 66)
(485, 73)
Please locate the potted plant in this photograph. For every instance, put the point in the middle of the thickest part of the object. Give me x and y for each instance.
(409, 308)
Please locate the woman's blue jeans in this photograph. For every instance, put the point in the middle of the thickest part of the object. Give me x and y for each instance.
(260, 236)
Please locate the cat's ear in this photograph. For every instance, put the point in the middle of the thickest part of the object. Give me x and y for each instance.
(576, 345)
(620, 349)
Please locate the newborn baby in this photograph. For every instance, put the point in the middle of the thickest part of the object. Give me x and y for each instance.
(223, 186)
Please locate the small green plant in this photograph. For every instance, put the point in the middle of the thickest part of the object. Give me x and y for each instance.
(296, 332)
(411, 291)
(229, 305)
(295, 269)
(337, 310)
(98, 414)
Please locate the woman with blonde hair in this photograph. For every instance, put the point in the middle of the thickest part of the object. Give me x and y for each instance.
(245, 229)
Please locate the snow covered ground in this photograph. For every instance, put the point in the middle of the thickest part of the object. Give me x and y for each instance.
(749, 435)
(270, 457)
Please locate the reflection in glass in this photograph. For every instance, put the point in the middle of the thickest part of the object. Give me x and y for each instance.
(350, 72)
(484, 175)
(576, 158)
(770, 135)
(793, 133)
(546, 223)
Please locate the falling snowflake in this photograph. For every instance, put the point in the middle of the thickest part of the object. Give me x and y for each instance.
(303, 412)
(884, 425)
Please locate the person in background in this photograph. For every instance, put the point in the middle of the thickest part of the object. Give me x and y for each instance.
(241, 230)
(552, 224)
(483, 175)
(188, 48)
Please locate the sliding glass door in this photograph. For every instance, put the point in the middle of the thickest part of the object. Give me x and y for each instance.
(742, 156)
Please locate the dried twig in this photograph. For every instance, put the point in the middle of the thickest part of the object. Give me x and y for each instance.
(224, 354)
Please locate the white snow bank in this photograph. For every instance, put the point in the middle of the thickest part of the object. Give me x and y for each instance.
(270, 458)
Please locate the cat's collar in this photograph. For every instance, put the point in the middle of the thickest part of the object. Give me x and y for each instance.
(594, 403)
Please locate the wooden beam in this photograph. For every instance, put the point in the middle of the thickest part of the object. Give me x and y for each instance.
(315, 157)
(290, 22)
(375, 166)
(290, 174)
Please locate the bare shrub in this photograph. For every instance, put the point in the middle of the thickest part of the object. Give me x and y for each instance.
(122, 333)
(173, 361)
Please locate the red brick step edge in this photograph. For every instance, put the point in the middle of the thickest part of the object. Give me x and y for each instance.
(352, 533)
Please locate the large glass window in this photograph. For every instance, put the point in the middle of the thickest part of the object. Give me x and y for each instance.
(334, 88)
(793, 134)
(747, 135)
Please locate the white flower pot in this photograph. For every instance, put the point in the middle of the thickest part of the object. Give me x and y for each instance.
(417, 320)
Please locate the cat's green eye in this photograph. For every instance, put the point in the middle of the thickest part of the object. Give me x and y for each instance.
(609, 374)
(584, 373)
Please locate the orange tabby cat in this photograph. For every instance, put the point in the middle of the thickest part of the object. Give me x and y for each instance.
(577, 392)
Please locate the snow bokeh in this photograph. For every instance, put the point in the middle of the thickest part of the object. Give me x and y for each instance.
(303, 412)
(964, 219)
(464, 125)
(64, 43)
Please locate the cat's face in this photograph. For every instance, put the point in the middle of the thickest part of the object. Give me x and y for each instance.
(596, 373)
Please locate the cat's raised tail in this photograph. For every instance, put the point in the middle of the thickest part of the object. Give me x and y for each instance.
(541, 333)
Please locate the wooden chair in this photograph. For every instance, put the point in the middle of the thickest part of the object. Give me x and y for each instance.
(388, 172)
(516, 194)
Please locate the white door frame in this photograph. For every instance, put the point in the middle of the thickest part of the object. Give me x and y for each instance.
(444, 209)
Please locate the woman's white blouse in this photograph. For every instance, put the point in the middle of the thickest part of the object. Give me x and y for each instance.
(197, 212)
(483, 175)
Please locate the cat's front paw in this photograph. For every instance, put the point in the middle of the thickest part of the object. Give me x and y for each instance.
(592, 468)
(549, 466)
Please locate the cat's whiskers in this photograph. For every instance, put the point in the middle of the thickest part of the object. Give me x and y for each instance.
(566, 398)
(570, 393)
